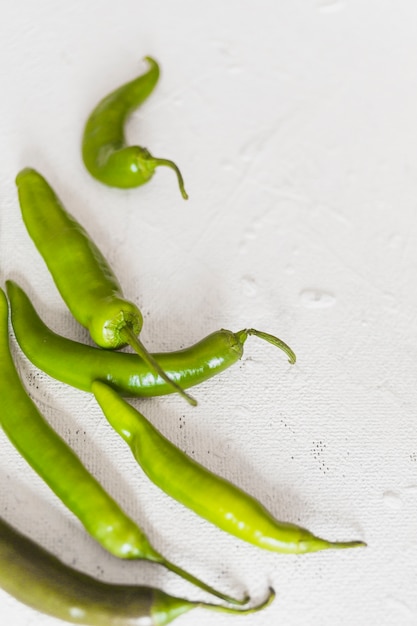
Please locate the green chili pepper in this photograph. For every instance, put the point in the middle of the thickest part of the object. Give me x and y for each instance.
(63, 472)
(208, 495)
(79, 365)
(104, 149)
(38, 579)
(81, 273)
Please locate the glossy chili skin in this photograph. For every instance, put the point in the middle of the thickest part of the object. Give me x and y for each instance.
(38, 579)
(79, 365)
(210, 496)
(105, 152)
(83, 277)
(125, 372)
(58, 465)
(61, 469)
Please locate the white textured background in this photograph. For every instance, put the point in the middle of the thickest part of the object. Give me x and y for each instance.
(295, 126)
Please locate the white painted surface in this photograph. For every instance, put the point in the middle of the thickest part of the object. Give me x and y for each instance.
(295, 126)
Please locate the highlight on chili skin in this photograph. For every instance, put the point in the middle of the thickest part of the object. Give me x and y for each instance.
(215, 499)
(82, 275)
(62, 470)
(125, 372)
(105, 152)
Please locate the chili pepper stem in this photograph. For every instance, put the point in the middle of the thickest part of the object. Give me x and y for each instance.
(247, 611)
(278, 343)
(155, 557)
(171, 164)
(198, 583)
(127, 335)
(167, 608)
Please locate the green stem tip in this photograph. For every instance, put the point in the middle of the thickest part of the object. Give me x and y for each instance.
(171, 164)
(253, 609)
(202, 585)
(278, 343)
(135, 343)
(167, 608)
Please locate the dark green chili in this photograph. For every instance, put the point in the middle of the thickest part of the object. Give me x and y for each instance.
(208, 495)
(63, 472)
(104, 149)
(81, 273)
(38, 579)
(78, 364)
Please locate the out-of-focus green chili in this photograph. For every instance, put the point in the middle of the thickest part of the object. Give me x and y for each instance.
(60, 468)
(81, 273)
(105, 153)
(202, 491)
(38, 579)
(79, 365)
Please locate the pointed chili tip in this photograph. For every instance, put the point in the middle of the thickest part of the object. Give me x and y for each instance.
(152, 62)
(23, 173)
(317, 543)
(348, 544)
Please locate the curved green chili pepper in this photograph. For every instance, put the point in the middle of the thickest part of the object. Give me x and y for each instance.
(63, 472)
(38, 579)
(208, 495)
(81, 273)
(79, 365)
(104, 149)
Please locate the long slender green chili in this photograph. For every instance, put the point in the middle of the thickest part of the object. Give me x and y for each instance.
(38, 579)
(202, 491)
(79, 365)
(81, 273)
(63, 472)
(105, 153)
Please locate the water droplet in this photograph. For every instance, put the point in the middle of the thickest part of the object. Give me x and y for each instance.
(249, 286)
(317, 299)
(243, 247)
(395, 242)
(250, 234)
(399, 607)
(222, 47)
(242, 411)
(329, 6)
(392, 500)
(227, 166)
